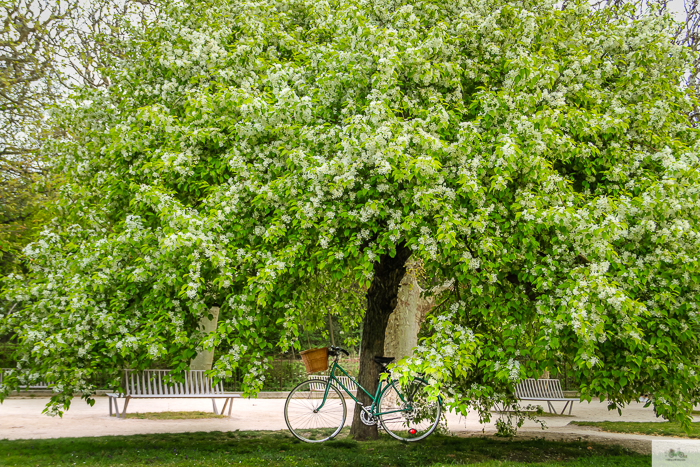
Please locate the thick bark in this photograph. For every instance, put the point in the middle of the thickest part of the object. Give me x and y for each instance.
(205, 358)
(381, 301)
(404, 323)
(411, 310)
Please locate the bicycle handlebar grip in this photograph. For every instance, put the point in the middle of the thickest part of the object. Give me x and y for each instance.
(333, 351)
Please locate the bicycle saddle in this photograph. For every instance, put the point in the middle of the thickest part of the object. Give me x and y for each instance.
(383, 360)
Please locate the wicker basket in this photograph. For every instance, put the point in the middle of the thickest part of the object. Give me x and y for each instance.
(315, 360)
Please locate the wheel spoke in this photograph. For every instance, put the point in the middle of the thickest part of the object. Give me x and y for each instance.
(310, 425)
(408, 425)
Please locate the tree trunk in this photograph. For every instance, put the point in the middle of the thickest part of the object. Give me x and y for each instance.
(404, 323)
(381, 301)
(205, 358)
(330, 329)
(406, 320)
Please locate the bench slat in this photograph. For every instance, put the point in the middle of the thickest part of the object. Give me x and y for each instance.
(158, 384)
(322, 381)
(179, 396)
(154, 383)
(548, 390)
(40, 384)
(539, 388)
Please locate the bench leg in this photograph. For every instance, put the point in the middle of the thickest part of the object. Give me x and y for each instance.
(565, 406)
(230, 405)
(571, 407)
(116, 407)
(110, 406)
(213, 402)
(223, 409)
(126, 403)
(551, 407)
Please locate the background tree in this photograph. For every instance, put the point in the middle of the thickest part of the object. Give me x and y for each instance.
(685, 32)
(30, 40)
(540, 159)
(46, 49)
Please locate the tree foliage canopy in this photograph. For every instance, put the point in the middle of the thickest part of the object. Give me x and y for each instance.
(541, 159)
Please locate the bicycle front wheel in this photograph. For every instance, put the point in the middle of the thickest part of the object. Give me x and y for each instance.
(311, 419)
(406, 413)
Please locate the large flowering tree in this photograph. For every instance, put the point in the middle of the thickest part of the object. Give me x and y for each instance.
(538, 159)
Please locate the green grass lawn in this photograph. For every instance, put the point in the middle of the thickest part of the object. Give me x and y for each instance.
(277, 449)
(645, 428)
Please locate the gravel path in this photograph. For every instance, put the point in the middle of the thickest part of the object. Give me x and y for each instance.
(21, 418)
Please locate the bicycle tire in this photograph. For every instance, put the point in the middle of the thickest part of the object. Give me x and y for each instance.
(304, 422)
(413, 425)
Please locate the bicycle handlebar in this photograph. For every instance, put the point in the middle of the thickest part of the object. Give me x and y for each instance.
(334, 350)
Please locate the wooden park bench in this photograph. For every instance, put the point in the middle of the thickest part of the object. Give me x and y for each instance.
(40, 384)
(346, 381)
(155, 384)
(544, 390)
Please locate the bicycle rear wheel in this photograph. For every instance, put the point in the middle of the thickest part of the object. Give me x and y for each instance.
(405, 412)
(304, 418)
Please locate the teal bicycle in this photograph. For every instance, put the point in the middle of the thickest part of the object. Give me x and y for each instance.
(315, 410)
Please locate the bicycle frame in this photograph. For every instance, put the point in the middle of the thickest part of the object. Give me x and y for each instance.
(381, 389)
